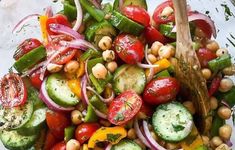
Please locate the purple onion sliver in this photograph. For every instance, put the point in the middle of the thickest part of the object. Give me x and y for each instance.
(79, 15)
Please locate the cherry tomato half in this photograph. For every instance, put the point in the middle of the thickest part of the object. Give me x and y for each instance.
(137, 14)
(129, 48)
(57, 122)
(152, 35)
(12, 90)
(124, 107)
(25, 47)
(205, 27)
(65, 57)
(50, 141)
(59, 146)
(161, 90)
(57, 19)
(158, 11)
(204, 56)
(35, 79)
(84, 131)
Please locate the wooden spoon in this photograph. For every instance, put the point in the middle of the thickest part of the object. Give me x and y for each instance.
(188, 69)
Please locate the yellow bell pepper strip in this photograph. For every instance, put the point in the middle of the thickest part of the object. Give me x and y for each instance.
(109, 134)
(75, 86)
(81, 69)
(43, 20)
(162, 64)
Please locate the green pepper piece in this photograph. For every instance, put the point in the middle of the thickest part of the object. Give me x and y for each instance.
(98, 104)
(108, 8)
(91, 63)
(216, 124)
(220, 63)
(90, 53)
(228, 97)
(163, 73)
(95, 13)
(99, 86)
(69, 133)
(91, 115)
(70, 11)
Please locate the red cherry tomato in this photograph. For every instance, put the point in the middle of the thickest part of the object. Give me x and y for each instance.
(204, 55)
(59, 146)
(85, 131)
(157, 13)
(161, 90)
(147, 109)
(129, 48)
(152, 35)
(65, 57)
(12, 90)
(124, 107)
(137, 14)
(57, 19)
(25, 47)
(214, 87)
(35, 79)
(50, 141)
(57, 122)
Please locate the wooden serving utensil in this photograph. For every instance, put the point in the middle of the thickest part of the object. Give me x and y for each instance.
(188, 69)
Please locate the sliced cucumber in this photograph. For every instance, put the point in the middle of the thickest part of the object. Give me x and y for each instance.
(172, 122)
(34, 125)
(14, 141)
(126, 144)
(30, 59)
(129, 77)
(166, 29)
(59, 91)
(33, 95)
(125, 24)
(16, 117)
(140, 3)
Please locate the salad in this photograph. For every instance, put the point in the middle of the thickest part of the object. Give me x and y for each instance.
(105, 76)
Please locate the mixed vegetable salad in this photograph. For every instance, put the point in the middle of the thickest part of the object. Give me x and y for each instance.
(103, 77)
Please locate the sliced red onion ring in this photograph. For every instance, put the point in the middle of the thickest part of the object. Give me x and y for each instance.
(140, 135)
(150, 139)
(79, 15)
(146, 66)
(105, 100)
(96, 3)
(108, 147)
(86, 71)
(78, 43)
(59, 28)
(23, 21)
(49, 12)
(229, 143)
(151, 71)
(225, 104)
(86, 100)
(49, 102)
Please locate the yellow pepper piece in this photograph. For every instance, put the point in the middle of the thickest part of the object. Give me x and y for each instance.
(110, 134)
(163, 64)
(81, 70)
(43, 20)
(75, 86)
(193, 141)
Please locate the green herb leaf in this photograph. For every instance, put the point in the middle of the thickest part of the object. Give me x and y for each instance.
(119, 117)
(113, 137)
(178, 127)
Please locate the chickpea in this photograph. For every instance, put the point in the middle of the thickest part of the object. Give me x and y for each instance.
(140, 143)
(152, 58)
(223, 147)
(226, 84)
(71, 67)
(105, 43)
(85, 147)
(53, 68)
(141, 115)
(229, 71)
(225, 132)
(111, 66)
(224, 112)
(105, 123)
(108, 55)
(167, 11)
(131, 134)
(189, 105)
(206, 73)
(99, 71)
(212, 45)
(220, 52)
(155, 48)
(216, 141)
(73, 145)
(172, 146)
(205, 140)
(199, 33)
(213, 103)
(76, 117)
(166, 51)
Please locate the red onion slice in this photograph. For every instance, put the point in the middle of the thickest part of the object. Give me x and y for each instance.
(108, 147)
(86, 71)
(229, 143)
(78, 43)
(150, 139)
(140, 135)
(225, 104)
(146, 66)
(49, 12)
(79, 15)
(59, 28)
(49, 102)
(23, 21)
(105, 100)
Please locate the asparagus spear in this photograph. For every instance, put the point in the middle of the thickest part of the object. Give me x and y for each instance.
(188, 67)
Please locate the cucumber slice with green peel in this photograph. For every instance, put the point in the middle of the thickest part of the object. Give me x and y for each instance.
(172, 122)
(129, 77)
(220, 63)
(30, 59)
(33, 95)
(125, 24)
(140, 3)
(34, 125)
(126, 144)
(14, 141)
(16, 117)
(59, 91)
